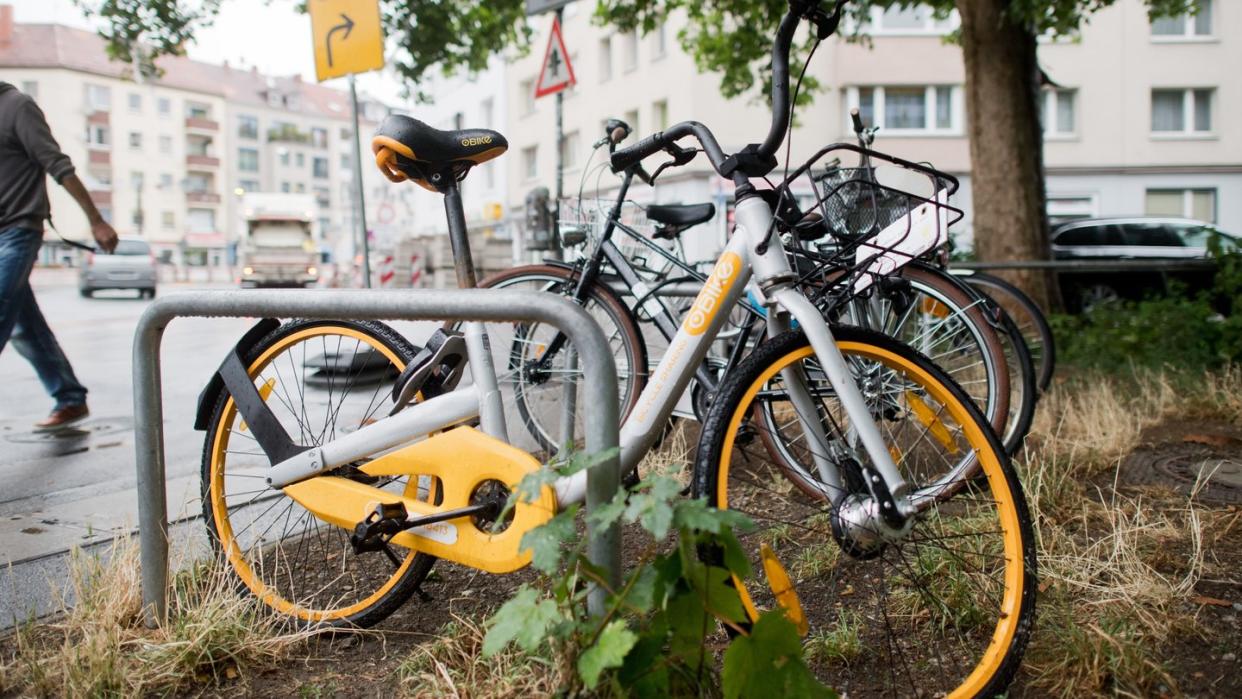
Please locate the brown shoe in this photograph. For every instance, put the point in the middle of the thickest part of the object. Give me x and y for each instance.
(63, 417)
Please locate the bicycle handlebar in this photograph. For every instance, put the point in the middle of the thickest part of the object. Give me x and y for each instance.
(826, 24)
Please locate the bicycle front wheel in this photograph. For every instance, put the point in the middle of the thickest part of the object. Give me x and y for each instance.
(941, 609)
(1026, 315)
(320, 379)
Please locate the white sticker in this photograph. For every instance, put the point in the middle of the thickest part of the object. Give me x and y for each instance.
(442, 532)
(922, 229)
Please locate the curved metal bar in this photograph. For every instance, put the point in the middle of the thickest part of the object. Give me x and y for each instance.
(599, 368)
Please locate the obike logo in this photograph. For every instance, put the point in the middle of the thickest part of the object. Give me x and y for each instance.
(707, 303)
(476, 141)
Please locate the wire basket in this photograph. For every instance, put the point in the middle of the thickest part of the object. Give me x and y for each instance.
(871, 227)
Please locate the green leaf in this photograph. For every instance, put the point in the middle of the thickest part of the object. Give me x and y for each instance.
(545, 540)
(609, 651)
(642, 593)
(697, 515)
(768, 662)
(524, 619)
(604, 515)
(651, 506)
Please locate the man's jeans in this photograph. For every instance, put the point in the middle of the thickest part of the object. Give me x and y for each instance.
(20, 318)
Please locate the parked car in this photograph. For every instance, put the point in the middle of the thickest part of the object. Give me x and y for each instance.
(130, 266)
(1138, 238)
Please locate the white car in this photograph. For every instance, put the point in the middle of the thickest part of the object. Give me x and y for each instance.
(130, 266)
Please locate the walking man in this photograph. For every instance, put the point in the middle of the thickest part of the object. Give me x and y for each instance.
(28, 154)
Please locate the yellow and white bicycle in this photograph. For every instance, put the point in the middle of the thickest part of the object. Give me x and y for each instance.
(340, 461)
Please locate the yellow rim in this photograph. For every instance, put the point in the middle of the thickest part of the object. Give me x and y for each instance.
(1002, 636)
(224, 528)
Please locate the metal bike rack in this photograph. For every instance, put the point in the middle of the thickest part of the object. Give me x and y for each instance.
(599, 369)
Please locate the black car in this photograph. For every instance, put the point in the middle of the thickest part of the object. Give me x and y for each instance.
(1141, 238)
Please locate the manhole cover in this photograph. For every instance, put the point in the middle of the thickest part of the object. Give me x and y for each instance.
(1221, 476)
(80, 434)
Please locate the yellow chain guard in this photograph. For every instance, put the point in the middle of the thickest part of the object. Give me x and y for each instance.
(458, 460)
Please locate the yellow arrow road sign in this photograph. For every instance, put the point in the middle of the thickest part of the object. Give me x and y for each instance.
(347, 37)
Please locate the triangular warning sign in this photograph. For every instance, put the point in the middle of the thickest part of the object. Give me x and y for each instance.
(556, 73)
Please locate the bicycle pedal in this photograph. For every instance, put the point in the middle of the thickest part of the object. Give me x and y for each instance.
(379, 527)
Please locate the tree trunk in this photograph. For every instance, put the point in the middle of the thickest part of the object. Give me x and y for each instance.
(1006, 144)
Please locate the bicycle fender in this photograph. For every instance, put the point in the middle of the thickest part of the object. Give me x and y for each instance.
(215, 385)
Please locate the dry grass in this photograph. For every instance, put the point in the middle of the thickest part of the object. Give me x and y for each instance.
(100, 647)
(1116, 570)
(453, 666)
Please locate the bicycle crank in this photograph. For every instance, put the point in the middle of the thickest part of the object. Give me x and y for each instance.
(456, 518)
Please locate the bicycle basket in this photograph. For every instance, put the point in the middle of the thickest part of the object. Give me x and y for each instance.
(878, 218)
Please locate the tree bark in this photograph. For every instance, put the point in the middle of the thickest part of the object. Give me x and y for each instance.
(1006, 144)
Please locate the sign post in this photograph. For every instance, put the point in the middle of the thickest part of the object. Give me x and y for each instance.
(348, 40)
(556, 76)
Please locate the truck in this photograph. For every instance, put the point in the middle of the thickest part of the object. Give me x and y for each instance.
(278, 248)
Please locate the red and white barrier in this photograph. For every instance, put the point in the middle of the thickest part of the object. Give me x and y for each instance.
(386, 272)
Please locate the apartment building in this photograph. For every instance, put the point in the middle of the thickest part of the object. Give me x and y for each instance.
(1139, 117)
(169, 159)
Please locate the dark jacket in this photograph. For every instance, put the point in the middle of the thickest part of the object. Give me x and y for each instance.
(28, 153)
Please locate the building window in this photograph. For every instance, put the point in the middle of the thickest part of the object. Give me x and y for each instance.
(135, 140)
(345, 161)
(1057, 110)
(319, 137)
(1199, 204)
(98, 136)
(659, 115)
(933, 109)
(530, 162)
(164, 105)
(248, 159)
(284, 187)
(168, 220)
(629, 50)
(135, 102)
(136, 180)
(1185, 112)
(98, 98)
(605, 59)
(659, 42)
(30, 87)
(1197, 24)
(1070, 207)
(284, 156)
(631, 118)
(248, 186)
(319, 168)
(527, 87)
(300, 188)
(569, 150)
(165, 144)
(201, 220)
(197, 110)
(301, 159)
(248, 127)
(105, 212)
(920, 19)
(166, 180)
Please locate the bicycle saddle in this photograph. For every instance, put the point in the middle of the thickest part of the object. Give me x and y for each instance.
(677, 217)
(406, 148)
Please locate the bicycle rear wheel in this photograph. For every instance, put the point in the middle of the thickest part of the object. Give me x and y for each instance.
(319, 379)
(943, 609)
(1029, 318)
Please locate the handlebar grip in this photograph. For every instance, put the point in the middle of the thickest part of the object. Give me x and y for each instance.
(627, 157)
(858, 125)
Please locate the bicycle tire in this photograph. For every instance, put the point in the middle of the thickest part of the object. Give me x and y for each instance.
(986, 657)
(1030, 319)
(258, 570)
(563, 280)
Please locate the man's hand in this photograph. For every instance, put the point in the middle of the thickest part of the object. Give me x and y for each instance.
(104, 235)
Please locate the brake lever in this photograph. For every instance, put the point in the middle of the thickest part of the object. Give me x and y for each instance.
(681, 156)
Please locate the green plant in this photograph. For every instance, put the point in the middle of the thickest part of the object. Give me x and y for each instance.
(661, 629)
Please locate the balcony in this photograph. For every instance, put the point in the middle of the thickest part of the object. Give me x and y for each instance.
(201, 124)
(287, 133)
(101, 198)
(202, 197)
(98, 155)
(197, 160)
(99, 118)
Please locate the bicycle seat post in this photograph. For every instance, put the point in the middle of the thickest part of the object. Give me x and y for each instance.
(459, 239)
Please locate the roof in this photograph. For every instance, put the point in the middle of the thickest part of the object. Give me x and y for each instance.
(58, 46)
